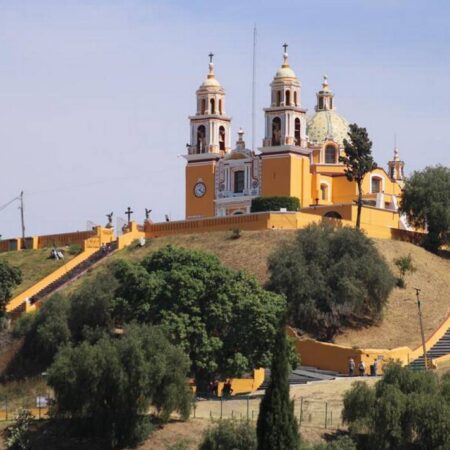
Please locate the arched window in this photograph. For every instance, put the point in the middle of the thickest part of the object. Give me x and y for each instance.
(239, 181)
(203, 106)
(278, 98)
(295, 98)
(276, 131)
(331, 103)
(320, 102)
(220, 106)
(288, 98)
(376, 185)
(330, 154)
(201, 139)
(333, 215)
(297, 131)
(212, 108)
(221, 138)
(324, 191)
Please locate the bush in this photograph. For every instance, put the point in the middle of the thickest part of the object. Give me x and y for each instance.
(229, 434)
(10, 277)
(332, 278)
(405, 409)
(75, 249)
(18, 433)
(23, 325)
(404, 265)
(112, 383)
(261, 204)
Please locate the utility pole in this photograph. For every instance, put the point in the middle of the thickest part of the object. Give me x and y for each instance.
(22, 220)
(253, 88)
(421, 329)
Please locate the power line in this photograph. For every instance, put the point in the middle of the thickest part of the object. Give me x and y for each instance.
(7, 204)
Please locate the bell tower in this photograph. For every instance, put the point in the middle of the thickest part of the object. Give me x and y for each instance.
(396, 168)
(284, 154)
(209, 141)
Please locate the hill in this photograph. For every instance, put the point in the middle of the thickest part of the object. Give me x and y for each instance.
(250, 252)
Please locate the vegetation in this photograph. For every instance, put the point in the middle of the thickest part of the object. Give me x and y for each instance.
(261, 204)
(10, 277)
(358, 160)
(112, 383)
(332, 278)
(277, 427)
(405, 409)
(404, 265)
(229, 434)
(75, 249)
(222, 319)
(18, 433)
(426, 203)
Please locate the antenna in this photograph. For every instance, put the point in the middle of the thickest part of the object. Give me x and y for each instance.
(253, 88)
(22, 221)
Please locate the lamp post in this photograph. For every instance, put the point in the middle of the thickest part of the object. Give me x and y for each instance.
(421, 329)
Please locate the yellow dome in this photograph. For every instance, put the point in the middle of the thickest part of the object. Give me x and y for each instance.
(211, 79)
(285, 72)
(327, 125)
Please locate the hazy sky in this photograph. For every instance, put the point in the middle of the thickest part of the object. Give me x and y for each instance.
(94, 95)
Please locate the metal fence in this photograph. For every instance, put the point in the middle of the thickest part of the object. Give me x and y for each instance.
(37, 406)
(309, 412)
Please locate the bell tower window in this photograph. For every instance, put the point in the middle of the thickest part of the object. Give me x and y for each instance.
(276, 131)
(295, 98)
(330, 154)
(239, 181)
(220, 106)
(278, 98)
(297, 131)
(212, 108)
(221, 138)
(203, 109)
(201, 143)
(288, 98)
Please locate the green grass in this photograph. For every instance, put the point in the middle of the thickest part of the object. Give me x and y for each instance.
(34, 265)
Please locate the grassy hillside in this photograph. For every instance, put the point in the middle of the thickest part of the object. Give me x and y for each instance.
(34, 264)
(250, 253)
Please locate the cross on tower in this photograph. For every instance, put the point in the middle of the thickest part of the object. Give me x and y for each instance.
(128, 212)
(211, 57)
(285, 46)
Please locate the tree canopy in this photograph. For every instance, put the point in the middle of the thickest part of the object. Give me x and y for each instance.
(405, 409)
(426, 203)
(10, 277)
(224, 320)
(358, 160)
(112, 383)
(332, 278)
(260, 204)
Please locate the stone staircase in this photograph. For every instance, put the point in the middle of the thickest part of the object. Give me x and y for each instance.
(441, 348)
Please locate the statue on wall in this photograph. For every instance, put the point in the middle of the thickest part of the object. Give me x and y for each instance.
(110, 218)
(147, 215)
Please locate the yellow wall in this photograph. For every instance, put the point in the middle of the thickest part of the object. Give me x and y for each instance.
(204, 206)
(244, 385)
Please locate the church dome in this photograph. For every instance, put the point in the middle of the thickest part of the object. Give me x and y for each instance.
(327, 125)
(285, 72)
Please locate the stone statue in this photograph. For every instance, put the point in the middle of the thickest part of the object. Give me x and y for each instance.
(109, 217)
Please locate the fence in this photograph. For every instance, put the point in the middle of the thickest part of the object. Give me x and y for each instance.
(309, 412)
(37, 406)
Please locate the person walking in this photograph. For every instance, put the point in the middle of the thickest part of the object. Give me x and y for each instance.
(351, 367)
(362, 368)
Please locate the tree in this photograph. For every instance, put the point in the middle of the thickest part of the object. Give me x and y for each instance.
(404, 265)
(261, 204)
(426, 203)
(405, 409)
(358, 160)
(111, 384)
(10, 277)
(229, 434)
(332, 278)
(277, 427)
(222, 319)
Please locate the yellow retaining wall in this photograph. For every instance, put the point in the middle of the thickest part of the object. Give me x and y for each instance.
(127, 238)
(33, 290)
(244, 385)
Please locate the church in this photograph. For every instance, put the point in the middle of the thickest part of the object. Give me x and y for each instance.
(299, 156)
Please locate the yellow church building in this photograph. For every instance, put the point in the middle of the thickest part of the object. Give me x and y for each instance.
(299, 156)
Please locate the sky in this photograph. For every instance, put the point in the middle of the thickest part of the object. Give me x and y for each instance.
(95, 94)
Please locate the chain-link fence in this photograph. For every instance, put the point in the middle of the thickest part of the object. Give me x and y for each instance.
(37, 406)
(309, 412)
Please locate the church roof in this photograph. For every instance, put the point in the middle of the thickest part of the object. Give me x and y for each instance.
(327, 125)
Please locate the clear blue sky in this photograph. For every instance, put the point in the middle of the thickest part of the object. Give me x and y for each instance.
(94, 95)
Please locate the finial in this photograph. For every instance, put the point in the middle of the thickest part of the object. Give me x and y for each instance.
(241, 134)
(211, 65)
(396, 154)
(211, 56)
(285, 46)
(285, 56)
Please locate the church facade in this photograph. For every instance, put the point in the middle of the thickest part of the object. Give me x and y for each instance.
(299, 156)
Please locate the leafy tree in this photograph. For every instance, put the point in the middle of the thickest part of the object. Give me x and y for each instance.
(261, 204)
(426, 203)
(222, 319)
(19, 433)
(112, 383)
(10, 277)
(332, 278)
(277, 427)
(404, 265)
(340, 443)
(358, 160)
(229, 434)
(405, 409)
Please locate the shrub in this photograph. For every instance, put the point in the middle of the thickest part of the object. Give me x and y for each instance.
(23, 325)
(332, 278)
(261, 204)
(75, 249)
(404, 265)
(10, 277)
(229, 434)
(18, 433)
